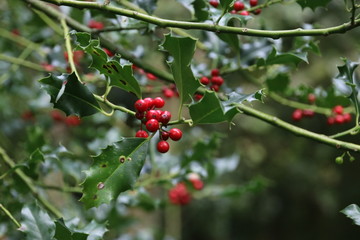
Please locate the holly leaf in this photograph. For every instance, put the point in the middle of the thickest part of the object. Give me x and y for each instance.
(201, 10)
(120, 76)
(278, 83)
(33, 163)
(347, 83)
(69, 95)
(225, 4)
(208, 110)
(63, 232)
(312, 3)
(182, 50)
(36, 223)
(276, 57)
(229, 17)
(114, 170)
(352, 211)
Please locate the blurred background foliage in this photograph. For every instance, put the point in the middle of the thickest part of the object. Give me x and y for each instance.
(262, 183)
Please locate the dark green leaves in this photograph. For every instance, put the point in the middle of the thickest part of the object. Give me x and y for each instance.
(63, 232)
(276, 57)
(225, 4)
(352, 211)
(69, 95)
(114, 171)
(313, 4)
(278, 83)
(182, 50)
(36, 223)
(201, 10)
(346, 82)
(120, 76)
(211, 110)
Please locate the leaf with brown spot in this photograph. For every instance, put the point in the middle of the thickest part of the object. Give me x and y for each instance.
(103, 184)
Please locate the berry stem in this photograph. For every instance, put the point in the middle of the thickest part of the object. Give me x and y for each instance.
(69, 48)
(8, 213)
(352, 131)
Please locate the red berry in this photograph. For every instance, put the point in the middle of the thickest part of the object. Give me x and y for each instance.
(149, 102)
(214, 3)
(338, 109)
(48, 67)
(297, 115)
(339, 119)
(244, 13)
(204, 80)
(257, 11)
(197, 183)
(215, 72)
(72, 121)
(163, 146)
(165, 117)
(141, 134)
(311, 98)
(57, 116)
(28, 115)
(151, 76)
(179, 194)
(347, 117)
(139, 115)
(233, 12)
(77, 56)
(152, 114)
(217, 80)
(152, 125)
(175, 134)
(308, 113)
(108, 52)
(330, 120)
(253, 3)
(164, 135)
(238, 6)
(95, 24)
(158, 102)
(141, 105)
(198, 96)
(168, 93)
(215, 88)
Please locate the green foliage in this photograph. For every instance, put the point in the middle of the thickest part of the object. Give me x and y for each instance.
(313, 4)
(63, 232)
(201, 10)
(36, 223)
(114, 171)
(120, 76)
(182, 50)
(69, 95)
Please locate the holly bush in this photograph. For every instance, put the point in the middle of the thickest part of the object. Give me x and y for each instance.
(132, 119)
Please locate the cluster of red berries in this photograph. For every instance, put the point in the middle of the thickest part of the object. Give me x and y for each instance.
(59, 117)
(298, 114)
(180, 194)
(338, 117)
(239, 7)
(214, 82)
(141, 71)
(154, 119)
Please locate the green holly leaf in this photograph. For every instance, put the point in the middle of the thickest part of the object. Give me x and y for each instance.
(120, 76)
(276, 57)
(313, 4)
(201, 10)
(352, 211)
(208, 110)
(347, 83)
(69, 95)
(36, 223)
(114, 171)
(33, 164)
(278, 83)
(182, 50)
(63, 232)
(225, 4)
